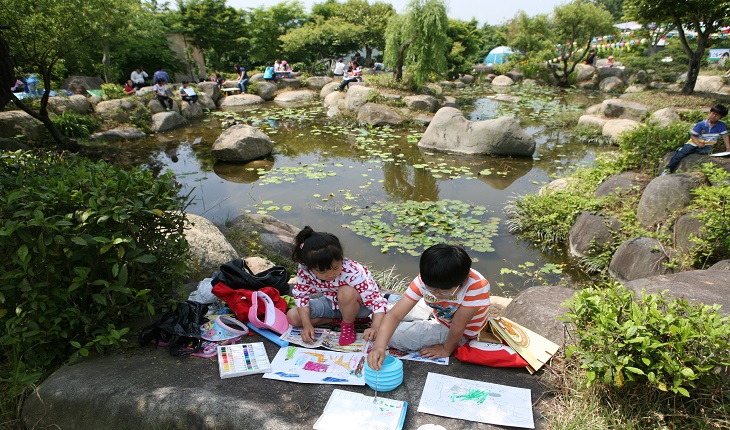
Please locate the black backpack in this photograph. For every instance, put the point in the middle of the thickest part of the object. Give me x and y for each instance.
(237, 275)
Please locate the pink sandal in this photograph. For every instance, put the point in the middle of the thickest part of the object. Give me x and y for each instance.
(347, 333)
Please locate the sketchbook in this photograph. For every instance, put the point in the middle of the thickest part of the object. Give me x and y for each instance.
(721, 154)
(190, 91)
(356, 411)
(325, 338)
(535, 349)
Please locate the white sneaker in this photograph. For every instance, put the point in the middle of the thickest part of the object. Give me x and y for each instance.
(665, 172)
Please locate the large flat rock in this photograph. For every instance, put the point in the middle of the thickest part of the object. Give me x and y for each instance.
(146, 388)
(703, 286)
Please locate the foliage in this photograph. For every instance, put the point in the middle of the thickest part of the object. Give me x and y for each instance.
(466, 44)
(317, 39)
(575, 24)
(669, 345)
(75, 125)
(493, 36)
(643, 147)
(87, 246)
(530, 34)
(409, 226)
(704, 17)
(615, 7)
(712, 210)
(417, 40)
(265, 25)
(113, 91)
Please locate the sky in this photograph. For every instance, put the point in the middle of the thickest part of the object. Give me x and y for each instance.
(485, 11)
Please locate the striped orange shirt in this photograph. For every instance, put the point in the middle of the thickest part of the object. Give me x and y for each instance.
(473, 294)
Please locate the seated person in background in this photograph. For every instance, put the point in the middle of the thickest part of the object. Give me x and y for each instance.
(137, 77)
(378, 67)
(242, 78)
(723, 59)
(339, 68)
(218, 79)
(284, 70)
(269, 73)
(610, 62)
(353, 75)
(161, 89)
(702, 136)
(161, 74)
(591, 58)
(129, 88)
(19, 86)
(187, 93)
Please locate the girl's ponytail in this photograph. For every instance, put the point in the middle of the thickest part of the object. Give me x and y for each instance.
(302, 236)
(316, 250)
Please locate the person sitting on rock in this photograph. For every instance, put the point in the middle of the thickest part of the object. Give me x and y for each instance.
(591, 58)
(702, 136)
(137, 77)
(187, 93)
(161, 74)
(339, 68)
(242, 78)
(129, 88)
(269, 73)
(610, 62)
(161, 90)
(352, 75)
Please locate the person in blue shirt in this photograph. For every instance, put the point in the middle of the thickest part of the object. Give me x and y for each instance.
(242, 79)
(703, 135)
(161, 74)
(269, 74)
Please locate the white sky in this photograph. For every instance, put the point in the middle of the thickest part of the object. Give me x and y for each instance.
(485, 11)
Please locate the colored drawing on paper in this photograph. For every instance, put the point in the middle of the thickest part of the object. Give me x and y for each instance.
(476, 401)
(317, 366)
(415, 356)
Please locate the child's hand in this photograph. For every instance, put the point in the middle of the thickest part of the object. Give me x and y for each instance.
(308, 334)
(370, 334)
(436, 351)
(375, 359)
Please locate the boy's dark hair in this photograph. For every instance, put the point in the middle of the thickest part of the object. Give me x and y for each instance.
(185, 82)
(316, 250)
(719, 109)
(444, 266)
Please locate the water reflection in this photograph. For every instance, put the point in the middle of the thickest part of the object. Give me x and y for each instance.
(498, 172)
(403, 182)
(247, 173)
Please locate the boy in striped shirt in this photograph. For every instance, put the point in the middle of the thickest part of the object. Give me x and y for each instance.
(702, 136)
(458, 298)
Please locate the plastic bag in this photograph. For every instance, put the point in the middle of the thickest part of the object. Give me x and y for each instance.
(204, 293)
(179, 329)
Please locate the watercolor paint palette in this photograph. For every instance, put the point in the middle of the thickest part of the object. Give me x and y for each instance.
(243, 359)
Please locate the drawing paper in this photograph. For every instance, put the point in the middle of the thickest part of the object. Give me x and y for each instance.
(354, 411)
(316, 366)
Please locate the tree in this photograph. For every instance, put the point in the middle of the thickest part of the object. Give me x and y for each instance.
(264, 26)
(319, 39)
(704, 17)
(615, 7)
(44, 32)
(575, 24)
(466, 42)
(530, 35)
(417, 39)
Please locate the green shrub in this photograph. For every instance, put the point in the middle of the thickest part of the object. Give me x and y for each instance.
(669, 345)
(75, 125)
(87, 246)
(712, 205)
(113, 91)
(643, 147)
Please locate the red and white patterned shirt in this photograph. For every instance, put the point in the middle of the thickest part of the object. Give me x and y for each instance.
(353, 274)
(474, 294)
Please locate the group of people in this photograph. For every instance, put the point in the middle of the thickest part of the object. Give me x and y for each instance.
(445, 306)
(349, 74)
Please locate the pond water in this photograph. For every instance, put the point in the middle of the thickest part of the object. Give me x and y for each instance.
(354, 181)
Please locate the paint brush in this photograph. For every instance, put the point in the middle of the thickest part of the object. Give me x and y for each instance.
(375, 399)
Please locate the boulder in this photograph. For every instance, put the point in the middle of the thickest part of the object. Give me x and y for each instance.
(206, 101)
(377, 115)
(275, 236)
(538, 309)
(638, 258)
(241, 143)
(293, 97)
(459, 85)
(721, 265)
(209, 249)
(666, 194)
(76, 103)
(120, 110)
(554, 186)
(611, 72)
(240, 100)
(333, 111)
(450, 131)
(515, 75)
(502, 81)
(422, 102)
(618, 108)
(446, 84)
(686, 228)
(586, 85)
(328, 89)
(191, 110)
(289, 83)
(356, 97)
(614, 127)
(18, 123)
(699, 286)
(119, 133)
(611, 84)
(623, 183)
(592, 234)
(593, 121)
(467, 79)
(596, 109)
(709, 84)
(211, 89)
(257, 77)
(693, 162)
(155, 106)
(334, 98)
(635, 88)
(423, 118)
(243, 173)
(665, 117)
(584, 72)
(449, 101)
(316, 83)
(433, 90)
(80, 84)
(12, 145)
(266, 90)
(164, 121)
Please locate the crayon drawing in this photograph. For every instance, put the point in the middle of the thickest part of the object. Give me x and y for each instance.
(476, 401)
(309, 366)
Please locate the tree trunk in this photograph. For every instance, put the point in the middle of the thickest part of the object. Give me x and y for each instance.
(106, 61)
(693, 70)
(368, 56)
(398, 72)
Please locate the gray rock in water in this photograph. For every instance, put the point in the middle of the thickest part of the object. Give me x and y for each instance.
(316, 83)
(538, 309)
(211, 89)
(328, 89)
(240, 100)
(638, 258)
(76, 103)
(592, 234)
(16, 123)
(289, 83)
(209, 249)
(276, 236)
(266, 90)
(702, 286)
(120, 110)
(450, 131)
(623, 183)
(378, 115)
(119, 133)
(299, 96)
(666, 194)
(164, 121)
(191, 110)
(241, 143)
(356, 97)
(584, 72)
(422, 102)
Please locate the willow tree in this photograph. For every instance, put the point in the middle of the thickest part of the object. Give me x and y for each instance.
(417, 40)
(702, 16)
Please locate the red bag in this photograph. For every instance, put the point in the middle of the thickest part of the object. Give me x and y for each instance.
(489, 354)
(240, 300)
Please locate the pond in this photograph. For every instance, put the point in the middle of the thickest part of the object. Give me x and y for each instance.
(380, 194)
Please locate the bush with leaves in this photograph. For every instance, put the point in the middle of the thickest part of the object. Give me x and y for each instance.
(711, 206)
(113, 91)
(643, 147)
(75, 125)
(627, 341)
(86, 246)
